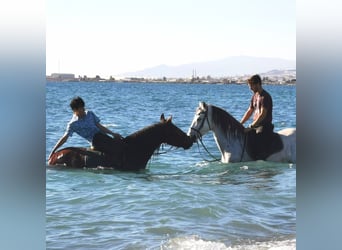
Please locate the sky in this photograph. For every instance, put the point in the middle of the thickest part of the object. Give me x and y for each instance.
(110, 37)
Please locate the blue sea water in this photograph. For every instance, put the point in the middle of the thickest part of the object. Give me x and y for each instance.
(180, 201)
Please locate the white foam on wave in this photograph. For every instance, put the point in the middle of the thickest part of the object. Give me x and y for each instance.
(192, 242)
(291, 165)
(196, 243)
(268, 245)
(202, 164)
(245, 167)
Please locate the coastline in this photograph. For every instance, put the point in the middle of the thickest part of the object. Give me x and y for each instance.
(271, 77)
(169, 82)
(242, 80)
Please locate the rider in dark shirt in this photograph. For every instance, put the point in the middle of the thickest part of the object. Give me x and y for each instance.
(261, 105)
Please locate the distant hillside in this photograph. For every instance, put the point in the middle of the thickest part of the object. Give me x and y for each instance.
(230, 66)
(277, 72)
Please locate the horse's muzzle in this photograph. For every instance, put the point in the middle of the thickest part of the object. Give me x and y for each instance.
(194, 134)
(193, 138)
(189, 143)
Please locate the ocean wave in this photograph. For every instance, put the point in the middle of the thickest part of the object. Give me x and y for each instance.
(195, 242)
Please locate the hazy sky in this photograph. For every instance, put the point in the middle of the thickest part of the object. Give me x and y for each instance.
(109, 37)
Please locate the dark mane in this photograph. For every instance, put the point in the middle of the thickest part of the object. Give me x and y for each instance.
(146, 132)
(227, 122)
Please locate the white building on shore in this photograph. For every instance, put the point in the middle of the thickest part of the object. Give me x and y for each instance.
(61, 77)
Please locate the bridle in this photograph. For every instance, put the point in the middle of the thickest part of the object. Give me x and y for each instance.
(199, 134)
(198, 131)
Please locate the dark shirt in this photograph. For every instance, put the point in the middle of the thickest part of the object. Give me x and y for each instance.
(262, 100)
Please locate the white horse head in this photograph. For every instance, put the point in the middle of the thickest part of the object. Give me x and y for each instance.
(200, 124)
(230, 136)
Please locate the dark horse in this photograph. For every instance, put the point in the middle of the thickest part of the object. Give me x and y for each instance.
(138, 148)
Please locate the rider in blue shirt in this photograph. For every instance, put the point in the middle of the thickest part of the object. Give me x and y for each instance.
(86, 124)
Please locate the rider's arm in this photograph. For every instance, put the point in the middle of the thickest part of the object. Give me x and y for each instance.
(260, 117)
(107, 131)
(60, 142)
(246, 116)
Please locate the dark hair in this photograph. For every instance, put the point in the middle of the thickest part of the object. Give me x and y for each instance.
(254, 80)
(76, 102)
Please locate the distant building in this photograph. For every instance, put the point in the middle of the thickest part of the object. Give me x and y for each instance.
(61, 77)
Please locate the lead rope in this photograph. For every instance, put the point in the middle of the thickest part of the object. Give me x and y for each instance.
(205, 148)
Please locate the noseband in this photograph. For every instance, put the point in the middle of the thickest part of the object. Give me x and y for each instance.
(198, 131)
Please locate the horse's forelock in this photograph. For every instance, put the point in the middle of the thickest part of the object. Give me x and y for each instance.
(201, 109)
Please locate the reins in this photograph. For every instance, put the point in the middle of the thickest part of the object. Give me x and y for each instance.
(201, 141)
(206, 149)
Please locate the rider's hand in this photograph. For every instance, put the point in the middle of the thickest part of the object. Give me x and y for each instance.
(117, 135)
(49, 159)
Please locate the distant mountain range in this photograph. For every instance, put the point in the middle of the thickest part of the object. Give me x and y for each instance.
(230, 66)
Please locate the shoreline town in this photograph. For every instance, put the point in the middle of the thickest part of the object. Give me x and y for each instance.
(271, 77)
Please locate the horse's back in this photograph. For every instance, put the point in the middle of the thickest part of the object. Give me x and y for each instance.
(288, 154)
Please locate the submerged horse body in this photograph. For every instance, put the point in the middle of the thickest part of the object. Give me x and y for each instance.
(138, 148)
(232, 140)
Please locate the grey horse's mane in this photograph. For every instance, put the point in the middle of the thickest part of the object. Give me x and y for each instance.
(227, 122)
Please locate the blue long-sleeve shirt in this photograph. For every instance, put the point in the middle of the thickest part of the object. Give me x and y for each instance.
(85, 126)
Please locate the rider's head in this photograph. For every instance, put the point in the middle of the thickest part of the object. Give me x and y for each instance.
(254, 83)
(76, 103)
(255, 79)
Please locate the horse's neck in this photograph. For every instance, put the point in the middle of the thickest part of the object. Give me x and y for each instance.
(231, 149)
(231, 144)
(147, 139)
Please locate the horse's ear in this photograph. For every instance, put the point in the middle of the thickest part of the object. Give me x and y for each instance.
(169, 119)
(202, 105)
(162, 117)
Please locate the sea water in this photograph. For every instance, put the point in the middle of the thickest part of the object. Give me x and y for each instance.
(181, 201)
